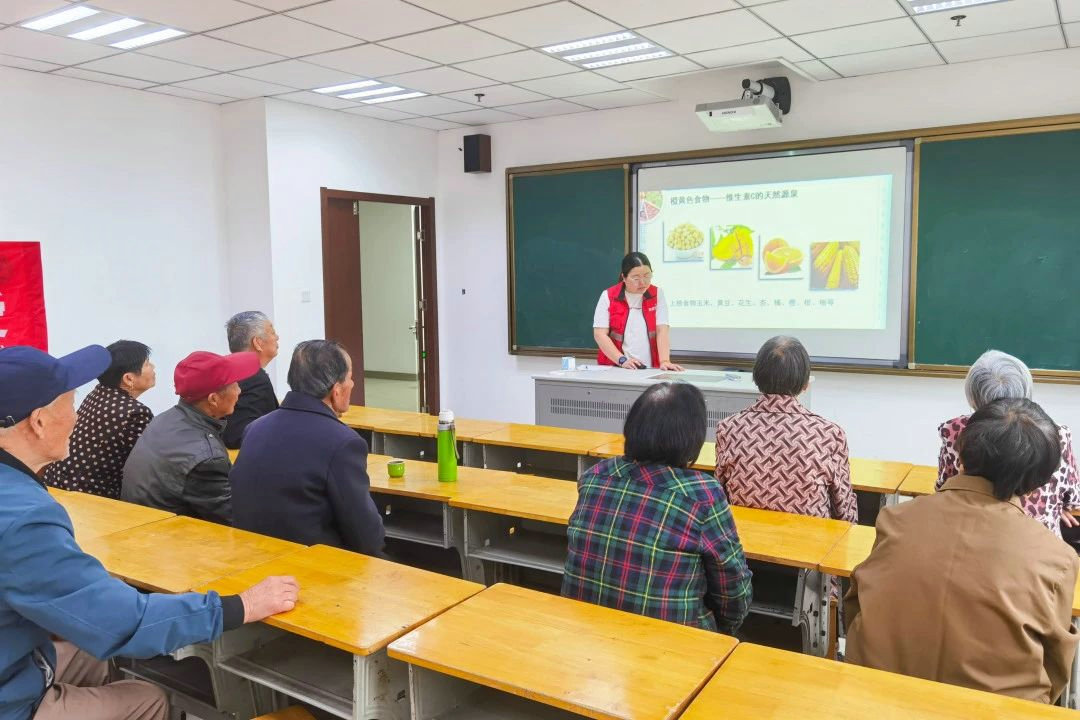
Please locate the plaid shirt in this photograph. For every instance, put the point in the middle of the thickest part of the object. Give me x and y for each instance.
(657, 541)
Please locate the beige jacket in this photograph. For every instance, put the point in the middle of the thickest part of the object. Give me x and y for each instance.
(966, 589)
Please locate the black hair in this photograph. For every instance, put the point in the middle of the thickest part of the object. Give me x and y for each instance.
(782, 367)
(128, 356)
(316, 366)
(666, 424)
(633, 260)
(1013, 443)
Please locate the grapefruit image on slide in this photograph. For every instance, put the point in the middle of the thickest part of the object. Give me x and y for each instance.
(779, 258)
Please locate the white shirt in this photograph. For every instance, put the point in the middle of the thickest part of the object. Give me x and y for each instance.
(636, 338)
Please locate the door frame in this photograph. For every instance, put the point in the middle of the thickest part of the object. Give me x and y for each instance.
(342, 293)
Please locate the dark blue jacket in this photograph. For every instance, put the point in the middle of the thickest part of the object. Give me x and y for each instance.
(302, 476)
(49, 586)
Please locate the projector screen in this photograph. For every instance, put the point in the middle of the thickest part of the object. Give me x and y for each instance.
(812, 245)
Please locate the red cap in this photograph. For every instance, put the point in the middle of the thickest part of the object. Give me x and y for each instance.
(202, 373)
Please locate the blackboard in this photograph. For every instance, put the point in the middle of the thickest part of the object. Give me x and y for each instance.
(567, 235)
(998, 249)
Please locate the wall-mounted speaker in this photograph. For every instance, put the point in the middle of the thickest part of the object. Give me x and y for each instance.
(477, 153)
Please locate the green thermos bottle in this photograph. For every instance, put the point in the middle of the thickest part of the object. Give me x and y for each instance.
(446, 445)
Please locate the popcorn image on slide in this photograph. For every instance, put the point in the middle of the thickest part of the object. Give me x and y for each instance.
(780, 261)
(731, 247)
(684, 243)
(835, 266)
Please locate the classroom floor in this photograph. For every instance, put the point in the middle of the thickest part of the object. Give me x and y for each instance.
(392, 394)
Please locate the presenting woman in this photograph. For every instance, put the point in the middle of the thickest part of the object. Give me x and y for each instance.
(630, 324)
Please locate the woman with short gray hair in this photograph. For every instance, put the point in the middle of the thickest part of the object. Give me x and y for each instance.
(996, 376)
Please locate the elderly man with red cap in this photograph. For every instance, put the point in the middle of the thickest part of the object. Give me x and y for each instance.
(180, 463)
(50, 588)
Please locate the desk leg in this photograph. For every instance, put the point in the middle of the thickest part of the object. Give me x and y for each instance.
(472, 455)
(811, 604)
(1072, 692)
(890, 500)
(378, 442)
(380, 687)
(232, 694)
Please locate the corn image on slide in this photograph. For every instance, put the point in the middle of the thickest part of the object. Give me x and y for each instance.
(835, 266)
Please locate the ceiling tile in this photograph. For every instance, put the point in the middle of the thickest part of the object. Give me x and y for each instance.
(317, 99)
(370, 19)
(185, 14)
(27, 64)
(378, 113)
(800, 16)
(483, 116)
(369, 61)
(990, 19)
(751, 3)
(438, 80)
(496, 95)
(725, 29)
(281, 5)
(549, 24)
(103, 78)
(298, 74)
(190, 94)
(818, 70)
(428, 106)
(1014, 43)
(879, 61)
(650, 69)
(211, 53)
(635, 13)
(751, 54)
(862, 38)
(618, 98)
(144, 67)
(1070, 10)
(546, 108)
(15, 11)
(456, 43)
(50, 48)
(472, 9)
(284, 35)
(579, 83)
(234, 86)
(1072, 32)
(432, 123)
(524, 65)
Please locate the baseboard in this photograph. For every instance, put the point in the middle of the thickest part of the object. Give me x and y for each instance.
(383, 375)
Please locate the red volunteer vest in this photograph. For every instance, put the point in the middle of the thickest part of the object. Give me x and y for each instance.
(619, 313)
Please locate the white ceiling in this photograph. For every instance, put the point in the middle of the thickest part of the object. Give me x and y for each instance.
(455, 50)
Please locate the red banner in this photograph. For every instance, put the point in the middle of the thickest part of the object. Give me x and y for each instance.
(22, 296)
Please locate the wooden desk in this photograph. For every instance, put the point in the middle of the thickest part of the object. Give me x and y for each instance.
(849, 551)
(412, 434)
(920, 480)
(233, 454)
(182, 553)
(706, 459)
(525, 496)
(333, 651)
(539, 449)
(758, 683)
(785, 539)
(579, 657)
(421, 479)
(878, 476)
(93, 516)
(360, 417)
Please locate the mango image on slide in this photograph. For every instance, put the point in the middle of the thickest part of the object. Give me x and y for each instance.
(780, 261)
(731, 247)
(834, 266)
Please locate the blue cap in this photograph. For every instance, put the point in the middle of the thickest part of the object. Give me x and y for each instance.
(31, 379)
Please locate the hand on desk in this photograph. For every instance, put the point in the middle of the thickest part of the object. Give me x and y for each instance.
(1068, 519)
(632, 363)
(671, 367)
(275, 594)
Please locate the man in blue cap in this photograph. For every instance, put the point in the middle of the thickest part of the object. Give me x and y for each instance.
(50, 587)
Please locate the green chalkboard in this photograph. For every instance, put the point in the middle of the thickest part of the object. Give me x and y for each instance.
(567, 235)
(998, 249)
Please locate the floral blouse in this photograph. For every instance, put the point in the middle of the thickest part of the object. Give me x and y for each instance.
(1045, 504)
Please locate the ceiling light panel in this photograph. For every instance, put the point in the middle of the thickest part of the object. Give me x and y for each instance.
(589, 42)
(372, 93)
(109, 28)
(140, 40)
(606, 50)
(925, 6)
(625, 60)
(63, 17)
(89, 24)
(394, 98)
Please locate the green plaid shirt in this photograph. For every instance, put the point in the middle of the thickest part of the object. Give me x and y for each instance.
(659, 541)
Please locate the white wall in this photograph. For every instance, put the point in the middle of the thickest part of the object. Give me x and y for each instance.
(885, 417)
(309, 148)
(388, 286)
(123, 190)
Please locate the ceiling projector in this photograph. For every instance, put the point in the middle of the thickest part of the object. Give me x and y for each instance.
(763, 105)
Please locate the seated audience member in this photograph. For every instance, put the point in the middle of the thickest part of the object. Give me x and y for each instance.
(651, 536)
(994, 376)
(111, 419)
(251, 331)
(961, 586)
(776, 454)
(49, 588)
(180, 464)
(302, 475)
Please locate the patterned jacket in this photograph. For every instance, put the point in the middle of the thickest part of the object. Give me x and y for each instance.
(658, 541)
(777, 455)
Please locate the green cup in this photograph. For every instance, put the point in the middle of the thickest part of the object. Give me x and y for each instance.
(395, 468)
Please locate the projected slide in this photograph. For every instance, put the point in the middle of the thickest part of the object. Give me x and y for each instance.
(794, 255)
